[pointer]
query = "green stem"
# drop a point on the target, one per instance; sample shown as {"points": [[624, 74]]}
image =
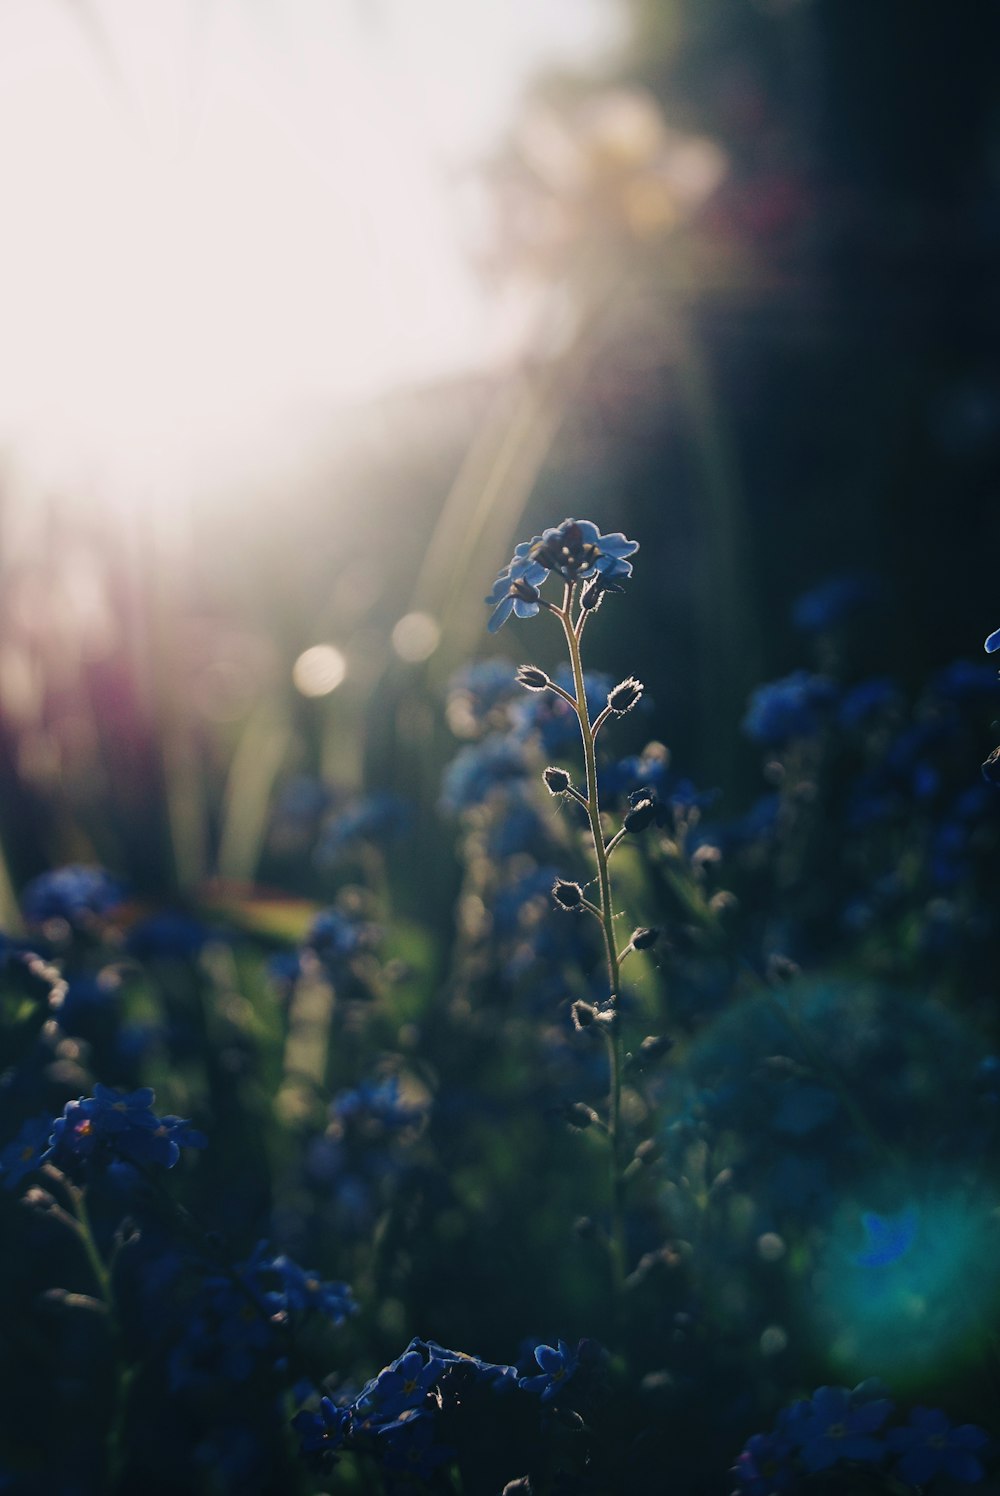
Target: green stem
{"points": [[613, 1034]]}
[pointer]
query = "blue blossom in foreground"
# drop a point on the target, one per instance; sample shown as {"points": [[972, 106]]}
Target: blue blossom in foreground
{"points": [[399, 1387], [764, 1466], [26, 1152], [932, 1445], [575, 550], [488, 1372], [77, 894], [408, 1444], [793, 707], [117, 1124], [834, 1426], [324, 1431], [558, 1363]]}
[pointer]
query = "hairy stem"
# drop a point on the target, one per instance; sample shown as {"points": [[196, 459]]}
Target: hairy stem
{"points": [[613, 1033]]}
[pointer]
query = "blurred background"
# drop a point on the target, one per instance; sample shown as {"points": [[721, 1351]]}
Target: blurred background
{"points": [[309, 313]]}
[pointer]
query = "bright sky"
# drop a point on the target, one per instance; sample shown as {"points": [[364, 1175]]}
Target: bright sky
{"points": [[218, 213]]}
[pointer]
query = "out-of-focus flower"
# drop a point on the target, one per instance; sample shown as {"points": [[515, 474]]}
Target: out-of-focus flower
{"points": [[794, 707], [118, 1124], [932, 1445], [77, 894], [26, 1152], [558, 1363], [827, 605]]}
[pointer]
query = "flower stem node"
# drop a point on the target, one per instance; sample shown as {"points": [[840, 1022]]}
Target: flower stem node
{"points": [[557, 781], [567, 895], [644, 938], [625, 695], [532, 679]]}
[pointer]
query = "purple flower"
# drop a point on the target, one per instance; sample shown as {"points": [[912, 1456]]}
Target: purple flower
{"points": [[932, 1445]]}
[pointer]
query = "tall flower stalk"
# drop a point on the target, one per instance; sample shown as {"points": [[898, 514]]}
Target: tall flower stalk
{"points": [[589, 564]]}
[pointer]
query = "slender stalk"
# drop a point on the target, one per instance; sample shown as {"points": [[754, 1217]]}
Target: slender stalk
{"points": [[613, 1033]]}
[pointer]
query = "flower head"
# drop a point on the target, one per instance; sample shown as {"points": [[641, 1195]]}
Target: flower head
{"points": [[575, 550], [558, 1363]]}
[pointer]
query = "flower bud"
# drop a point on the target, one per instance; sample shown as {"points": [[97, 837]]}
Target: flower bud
{"points": [[567, 895], [524, 591], [644, 938], [532, 679], [625, 695], [557, 781], [642, 813]]}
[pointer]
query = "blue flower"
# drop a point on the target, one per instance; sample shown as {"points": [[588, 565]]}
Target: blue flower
{"points": [[26, 1152], [763, 1466], [400, 1387], [375, 1107], [793, 707], [76, 894], [305, 1290], [117, 1124], [865, 700], [575, 550], [558, 1364], [993, 642], [408, 1444], [963, 681], [932, 1445], [832, 1427], [324, 1431], [336, 938], [171, 933], [476, 771], [369, 818], [488, 1372]]}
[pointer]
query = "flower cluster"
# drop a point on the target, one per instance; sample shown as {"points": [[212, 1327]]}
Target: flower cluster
{"points": [[576, 551], [836, 1427]]}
